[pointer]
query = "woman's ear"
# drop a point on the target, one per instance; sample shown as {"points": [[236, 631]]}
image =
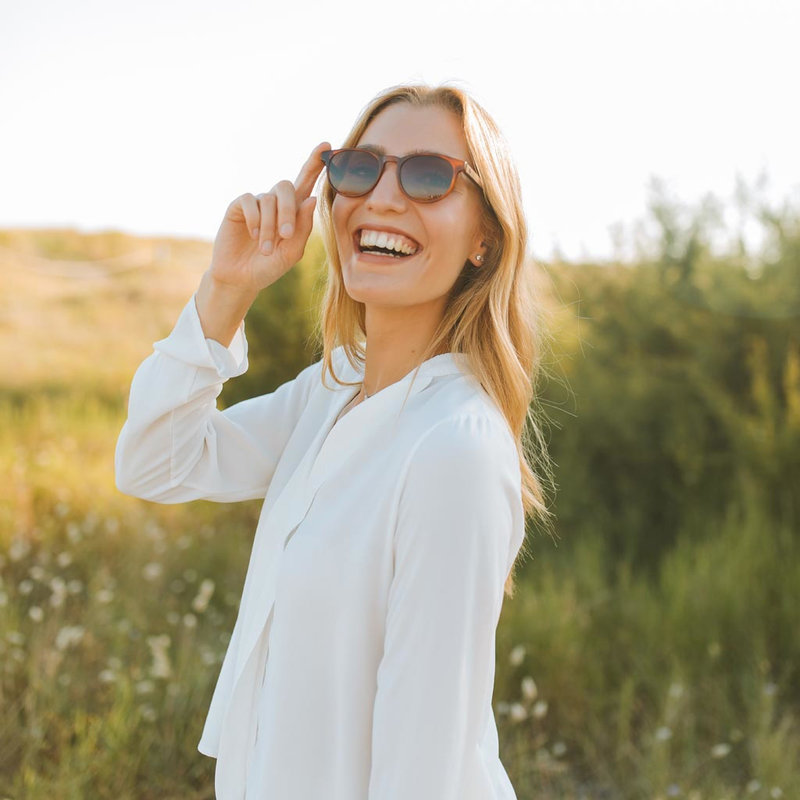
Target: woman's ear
{"points": [[478, 258]]}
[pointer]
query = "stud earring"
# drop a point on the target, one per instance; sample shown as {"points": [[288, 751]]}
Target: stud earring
{"points": [[479, 258]]}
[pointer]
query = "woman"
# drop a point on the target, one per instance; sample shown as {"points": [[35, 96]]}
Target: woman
{"points": [[362, 660]]}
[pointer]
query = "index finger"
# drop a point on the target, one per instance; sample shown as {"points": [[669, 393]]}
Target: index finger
{"points": [[309, 172]]}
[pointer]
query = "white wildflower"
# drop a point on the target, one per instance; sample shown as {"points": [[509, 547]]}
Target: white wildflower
{"points": [[539, 709], [190, 620], [517, 712], [158, 648], [19, 549], [36, 613], [200, 602], [529, 690], [104, 596], [720, 750], [152, 571], [517, 655], [59, 590], [68, 636], [663, 733]]}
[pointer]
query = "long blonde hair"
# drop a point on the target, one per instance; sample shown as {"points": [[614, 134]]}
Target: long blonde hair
{"points": [[492, 313]]}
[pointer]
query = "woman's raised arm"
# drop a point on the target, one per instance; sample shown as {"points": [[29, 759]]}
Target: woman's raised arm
{"points": [[175, 444]]}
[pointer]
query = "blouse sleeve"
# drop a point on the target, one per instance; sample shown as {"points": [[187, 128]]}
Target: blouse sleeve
{"points": [[176, 445], [460, 523]]}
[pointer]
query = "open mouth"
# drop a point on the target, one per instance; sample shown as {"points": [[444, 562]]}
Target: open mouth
{"points": [[384, 245]]}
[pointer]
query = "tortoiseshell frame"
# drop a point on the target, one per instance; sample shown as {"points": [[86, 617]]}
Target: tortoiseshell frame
{"points": [[458, 165]]}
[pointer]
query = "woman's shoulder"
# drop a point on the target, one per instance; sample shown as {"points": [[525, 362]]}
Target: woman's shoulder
{"points": [[463, 418]]}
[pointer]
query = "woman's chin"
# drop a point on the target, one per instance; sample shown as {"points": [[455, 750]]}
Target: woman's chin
{"points": [[369, 286]]}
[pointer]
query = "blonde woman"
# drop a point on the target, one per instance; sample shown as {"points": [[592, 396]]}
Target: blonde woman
{"points": [[393, 470]]}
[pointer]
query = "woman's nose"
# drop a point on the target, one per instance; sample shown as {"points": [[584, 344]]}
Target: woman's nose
{"points": [[387, 192]]}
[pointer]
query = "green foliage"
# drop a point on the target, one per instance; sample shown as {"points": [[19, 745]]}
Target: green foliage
{"points": [[679, 410], [684, 679], [652, 654]]}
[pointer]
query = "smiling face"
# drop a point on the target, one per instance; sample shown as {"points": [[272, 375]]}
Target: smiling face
{"points": [[445, 233]]}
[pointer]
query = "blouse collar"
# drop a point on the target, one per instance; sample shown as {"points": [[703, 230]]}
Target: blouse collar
{"points": [[442, 364]]}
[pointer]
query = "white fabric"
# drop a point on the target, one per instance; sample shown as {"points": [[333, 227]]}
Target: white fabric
{"points": [[361, 665]]}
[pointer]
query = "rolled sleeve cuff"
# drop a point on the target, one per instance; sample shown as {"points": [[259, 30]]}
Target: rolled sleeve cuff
{"points": [[187, 343], [230, 361]]}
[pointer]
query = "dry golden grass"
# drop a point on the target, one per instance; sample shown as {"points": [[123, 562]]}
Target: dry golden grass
{"points": [[66, 319]]}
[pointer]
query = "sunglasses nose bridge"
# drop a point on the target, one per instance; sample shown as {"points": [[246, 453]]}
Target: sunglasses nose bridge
{"points": [[382, 171]]}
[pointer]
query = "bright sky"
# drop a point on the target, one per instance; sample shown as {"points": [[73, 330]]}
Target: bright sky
{"points": [[151, 116]]}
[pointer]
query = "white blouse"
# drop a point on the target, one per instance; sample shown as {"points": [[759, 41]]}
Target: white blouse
{"points": [[361, 665]]}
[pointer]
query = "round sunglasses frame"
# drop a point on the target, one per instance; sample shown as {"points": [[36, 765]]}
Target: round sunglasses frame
{"points": [[458, 165]]}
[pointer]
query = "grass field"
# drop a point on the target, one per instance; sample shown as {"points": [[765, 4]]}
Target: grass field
{"points": [[115, 613]]}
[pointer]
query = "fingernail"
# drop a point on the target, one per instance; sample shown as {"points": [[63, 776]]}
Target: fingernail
{"points": [[286, 229], [266, 247]]}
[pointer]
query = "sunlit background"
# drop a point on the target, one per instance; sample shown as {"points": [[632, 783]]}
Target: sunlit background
{"points": [[651, 649], [150, 117]]}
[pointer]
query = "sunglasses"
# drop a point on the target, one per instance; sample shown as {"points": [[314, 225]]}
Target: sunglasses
{"points": [[424, 177]]}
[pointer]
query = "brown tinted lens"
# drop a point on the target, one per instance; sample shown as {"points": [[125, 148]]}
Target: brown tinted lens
{"points": [[353, 172], [426, 177]]}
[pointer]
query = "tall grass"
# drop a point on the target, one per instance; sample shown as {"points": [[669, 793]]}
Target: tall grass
{"points": [[115, 613], [682, 684]]}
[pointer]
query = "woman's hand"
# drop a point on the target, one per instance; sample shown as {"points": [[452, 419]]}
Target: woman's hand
{"points": [[254, 247]]}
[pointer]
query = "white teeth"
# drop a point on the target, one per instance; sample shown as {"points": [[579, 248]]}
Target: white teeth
{"points": [[391, 241]]}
